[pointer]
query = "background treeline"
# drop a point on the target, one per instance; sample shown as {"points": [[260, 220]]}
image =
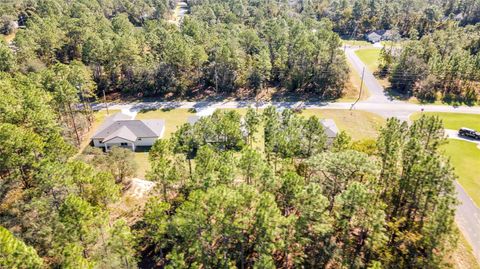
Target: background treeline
{"points": [[356, 17], [442, 65], [220, 46], [302, 201]]}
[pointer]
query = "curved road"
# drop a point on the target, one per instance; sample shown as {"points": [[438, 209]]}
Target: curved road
{"points": [[467, 215], [377, 93]]}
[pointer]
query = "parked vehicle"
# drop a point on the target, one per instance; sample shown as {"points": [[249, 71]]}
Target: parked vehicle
{"points": [[466, 132]]}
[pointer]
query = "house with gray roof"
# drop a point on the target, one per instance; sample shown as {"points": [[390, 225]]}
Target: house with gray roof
{"points": [[373, 37], [123, 131], [382, 35], [330, 128]]}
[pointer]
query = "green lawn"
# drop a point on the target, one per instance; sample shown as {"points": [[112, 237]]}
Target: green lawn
{"points": [[352, 88], [143, 165], [370, 57], [462, 256], [465, 158], [454, 120], [173, 118], [358, 124], [352, 42]]}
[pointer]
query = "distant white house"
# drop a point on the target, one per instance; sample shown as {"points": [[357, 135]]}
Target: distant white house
{"points": [[373, 37], [123, 131], [382, 35]]}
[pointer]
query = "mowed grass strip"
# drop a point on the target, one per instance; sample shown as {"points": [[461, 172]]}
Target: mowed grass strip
{"points": [[370, 57], [352, 87], [174, 118], [143, 164], [462, 256], [465, 158], [454, 121], [352, 42], [358, 124]]}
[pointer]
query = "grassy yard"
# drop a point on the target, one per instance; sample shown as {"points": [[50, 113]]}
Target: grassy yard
{"points": [[462, 257], [370, 57], [143, 165], [465, 157], [358, 124], [352, 88], [454, 120], [173, 118], [351, 42]]}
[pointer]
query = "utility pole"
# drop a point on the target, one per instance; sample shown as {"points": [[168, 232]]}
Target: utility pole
{"points": [[361, 89], [105, 101]]}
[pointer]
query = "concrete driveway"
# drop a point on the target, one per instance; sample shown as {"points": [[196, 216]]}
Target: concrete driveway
{"points": [[453, 134]]}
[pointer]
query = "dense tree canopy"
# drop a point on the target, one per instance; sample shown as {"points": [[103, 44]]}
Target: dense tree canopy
{"points": [[264, 190], [56, 207], [445, 63], [131, 48], [335, 207]]}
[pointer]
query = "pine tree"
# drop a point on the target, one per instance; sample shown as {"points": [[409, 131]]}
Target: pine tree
{"points": [[16, 254]]}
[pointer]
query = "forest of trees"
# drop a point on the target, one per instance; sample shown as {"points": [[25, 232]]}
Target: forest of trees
{"points": [[268, 191], [222, 46], [442, 65], [356, 17], [132, 51]]}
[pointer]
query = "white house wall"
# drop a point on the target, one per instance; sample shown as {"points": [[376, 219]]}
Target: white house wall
{"points": [[118, 140], [98, 143], [146, 141], [143, 142]]}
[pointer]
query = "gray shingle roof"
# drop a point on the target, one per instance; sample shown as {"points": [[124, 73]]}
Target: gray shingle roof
{"points": [[111, 119], [374, 37], [121, 125], [150, 128], [331, 129], [122, 132], [193, 119]]}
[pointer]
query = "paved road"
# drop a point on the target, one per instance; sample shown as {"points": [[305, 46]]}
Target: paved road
{"points": [[392, 109], [468, 219], [377, 93], [468, 214]]}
